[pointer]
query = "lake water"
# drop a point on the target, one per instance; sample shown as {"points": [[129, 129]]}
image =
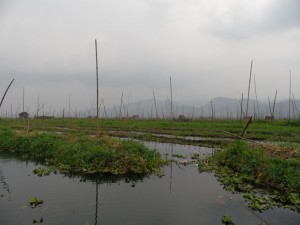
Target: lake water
{"points": [[182, 196]]}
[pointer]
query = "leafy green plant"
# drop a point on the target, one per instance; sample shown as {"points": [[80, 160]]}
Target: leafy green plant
{"points": [[34, 202], [227, 220], [43, 171]]}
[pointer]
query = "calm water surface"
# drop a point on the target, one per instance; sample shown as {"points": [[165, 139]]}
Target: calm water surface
{"points": [[182, 196]]}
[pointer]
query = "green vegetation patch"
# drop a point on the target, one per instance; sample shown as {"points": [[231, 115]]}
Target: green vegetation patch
{"points": [[34, 202], [268, 176], [227, 220], [73, 153]]}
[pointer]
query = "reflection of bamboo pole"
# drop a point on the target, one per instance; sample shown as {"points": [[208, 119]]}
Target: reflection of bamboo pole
{"points": [[6, 92], [97, 203], [171, 169]]}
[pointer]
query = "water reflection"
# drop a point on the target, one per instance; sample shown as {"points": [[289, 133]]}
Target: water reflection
{"points": [[171, 168], [182, 196], [97, 204], [4, 184]]}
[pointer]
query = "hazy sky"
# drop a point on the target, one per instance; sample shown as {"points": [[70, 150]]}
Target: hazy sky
{"points": [[205, 45]]}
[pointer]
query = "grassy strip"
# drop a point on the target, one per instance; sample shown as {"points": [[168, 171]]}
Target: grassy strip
{"points": [[266, 177], [286, 131], [82, 154]]}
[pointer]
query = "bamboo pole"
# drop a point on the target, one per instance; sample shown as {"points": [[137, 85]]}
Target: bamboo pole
{"points": [[270, 106], [249, 89], [242, 101], [244, 131], [97, 92], [290, 91], [128, 103], [274, 105], [212, 115], [172, 115], [155, 105], [23, 99], [296, 106], [256, 97], [6, 92], [120, 115]]}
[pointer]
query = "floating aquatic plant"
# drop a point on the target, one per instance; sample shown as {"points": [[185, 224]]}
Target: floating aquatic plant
{"points": [[34, 202], [227, 220]]}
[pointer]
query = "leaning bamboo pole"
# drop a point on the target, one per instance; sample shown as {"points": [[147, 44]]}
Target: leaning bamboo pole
{"points": [[6, 92]]}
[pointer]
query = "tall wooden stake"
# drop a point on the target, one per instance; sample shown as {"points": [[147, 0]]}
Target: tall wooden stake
{"points": [[290, 95], [97, 83], [212, 115], [274, 105], [249, 89], [172, 116], [23, 100], [156, 113], [242, 101], [256, 98]]}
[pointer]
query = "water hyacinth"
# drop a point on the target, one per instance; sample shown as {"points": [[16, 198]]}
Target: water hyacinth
{"points": [[82, 154]]}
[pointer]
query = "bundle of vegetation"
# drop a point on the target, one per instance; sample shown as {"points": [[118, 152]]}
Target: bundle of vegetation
{"points": [[73, 153], [268, 175]]}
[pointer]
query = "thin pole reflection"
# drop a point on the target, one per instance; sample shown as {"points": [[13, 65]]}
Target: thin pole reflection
{"points": [[97, 203]]}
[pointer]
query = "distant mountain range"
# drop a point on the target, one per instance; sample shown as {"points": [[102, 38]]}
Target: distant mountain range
{"points": [[221, 107]]}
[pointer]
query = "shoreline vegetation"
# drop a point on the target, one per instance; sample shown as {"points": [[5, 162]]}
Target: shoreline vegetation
{"points": [[264, 165], [266, 175]]}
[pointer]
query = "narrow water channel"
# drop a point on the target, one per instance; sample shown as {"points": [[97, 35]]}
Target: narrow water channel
{"points": [[182, 196]]}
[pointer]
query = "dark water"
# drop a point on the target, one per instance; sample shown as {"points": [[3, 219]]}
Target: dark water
{"points": [[182, 196]]}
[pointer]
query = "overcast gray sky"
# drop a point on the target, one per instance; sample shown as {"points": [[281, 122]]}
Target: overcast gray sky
{"points": [[205, 45]]}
